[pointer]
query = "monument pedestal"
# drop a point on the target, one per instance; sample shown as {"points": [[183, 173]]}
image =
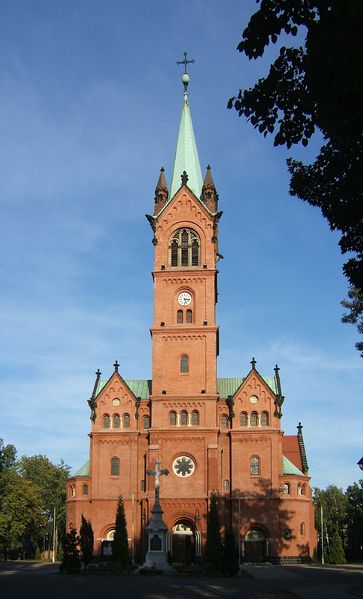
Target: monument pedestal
{"points": [[156, 536]]}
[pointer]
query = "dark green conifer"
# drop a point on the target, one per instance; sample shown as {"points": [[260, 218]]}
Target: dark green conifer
{"points": [[230, 554], [71, 563], [213, 547], [120, 546], [336, 553], [86, 540]]}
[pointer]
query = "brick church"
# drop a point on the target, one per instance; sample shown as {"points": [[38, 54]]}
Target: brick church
{"points": [[213, 434]]}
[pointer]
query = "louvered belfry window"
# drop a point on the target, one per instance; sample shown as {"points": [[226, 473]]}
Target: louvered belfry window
{"points": [[185, 248]]}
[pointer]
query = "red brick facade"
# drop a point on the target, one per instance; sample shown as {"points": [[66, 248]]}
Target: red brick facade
{"points": [[221, 435]]}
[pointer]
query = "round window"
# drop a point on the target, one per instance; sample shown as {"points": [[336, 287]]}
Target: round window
{"points": [[183, 466]]}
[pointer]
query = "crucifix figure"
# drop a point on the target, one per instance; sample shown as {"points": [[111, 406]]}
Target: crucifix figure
{"points": [[157, 473]]}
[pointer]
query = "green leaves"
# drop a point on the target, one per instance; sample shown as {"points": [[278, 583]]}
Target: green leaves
{"points": [[315, 86]]}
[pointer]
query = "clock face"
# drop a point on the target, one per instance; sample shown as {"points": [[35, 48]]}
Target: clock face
{"points": [[184, 298]]}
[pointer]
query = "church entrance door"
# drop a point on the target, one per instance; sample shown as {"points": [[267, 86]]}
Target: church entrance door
{"points": [[183, 543], [255, 546]]}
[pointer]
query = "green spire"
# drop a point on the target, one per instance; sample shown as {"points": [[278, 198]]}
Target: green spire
{"points": [[186, 154]]}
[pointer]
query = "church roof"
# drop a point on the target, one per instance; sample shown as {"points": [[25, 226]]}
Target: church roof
{"points": [[229, 386], [83, 471], [289, 468], [186, 155], [225, 386]]}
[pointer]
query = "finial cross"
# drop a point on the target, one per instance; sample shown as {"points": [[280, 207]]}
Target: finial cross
{"points": [[157, 472], [185, 62], [116, 365], [253, 363]]}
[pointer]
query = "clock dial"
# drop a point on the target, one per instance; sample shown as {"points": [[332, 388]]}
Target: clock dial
{"points": [[184, 298]]}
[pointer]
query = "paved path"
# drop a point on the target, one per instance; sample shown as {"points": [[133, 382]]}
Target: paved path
{"points": [[25, 580]]}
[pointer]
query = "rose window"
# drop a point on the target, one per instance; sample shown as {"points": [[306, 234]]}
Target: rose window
{"points": [[183, 466]]}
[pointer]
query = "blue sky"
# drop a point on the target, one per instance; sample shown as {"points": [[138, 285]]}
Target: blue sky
{"points": [[90, 102]]}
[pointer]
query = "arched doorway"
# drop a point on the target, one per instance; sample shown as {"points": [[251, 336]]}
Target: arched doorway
{"points": [[106, 550], [255, 545], [183, 542]]}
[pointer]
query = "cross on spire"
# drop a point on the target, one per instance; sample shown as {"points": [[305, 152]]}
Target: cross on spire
{"points": [[116, 365], [253, 363], [185, 62]]}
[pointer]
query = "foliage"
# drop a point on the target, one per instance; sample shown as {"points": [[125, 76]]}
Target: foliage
{"points": [[336, 552], [51, 482], [354, 495], [22, 520], [71, 563], [7, 456], [86, 539], [355, 314], [213, 547], [120, 547], [335, 506], [315, 86], [230, 564]]}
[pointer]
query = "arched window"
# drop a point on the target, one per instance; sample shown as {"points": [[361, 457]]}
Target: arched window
{"points": [[183, 418], [302, 529], [243, 419], [224, 421], [195, 418], [116, 422], [85, 490], [184, 364], [172, 418], [115, 467], [286, 488], [301, 489], [126, 420], [254, 419], [189, 316], [264, 419], [73, 491], [226, 485], [185, 248], [146, 421], [106, 421], [255, 466], [179, 316]]}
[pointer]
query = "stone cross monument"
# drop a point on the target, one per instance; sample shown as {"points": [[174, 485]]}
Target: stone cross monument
{"points": [[156, 529]]}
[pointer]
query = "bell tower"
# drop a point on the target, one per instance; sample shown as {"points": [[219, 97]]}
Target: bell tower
{"points": [[184, 332]]}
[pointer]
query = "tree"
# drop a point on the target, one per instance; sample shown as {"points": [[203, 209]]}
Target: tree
{"points": [[71, 563], [7, 456], [22, 521], [336, 553], [213, 547], [335, 509], [230, 554], [86, 539], [120, 546], [51, 482], [354, 495], [315, 86]]}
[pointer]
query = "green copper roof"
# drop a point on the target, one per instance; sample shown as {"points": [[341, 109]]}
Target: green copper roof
{"points": [[289, 468], [229, 386], [140, 388], [186, 155], [84, 471], [225, 387]]}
